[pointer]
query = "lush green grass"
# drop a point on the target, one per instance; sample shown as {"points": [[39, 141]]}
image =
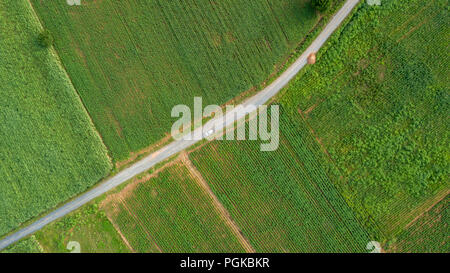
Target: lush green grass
{"points": [[170, 212], [49, 150], [89, 226], [378, 100], [283, 201], [428, 234], [133, 60], [28, 245]]}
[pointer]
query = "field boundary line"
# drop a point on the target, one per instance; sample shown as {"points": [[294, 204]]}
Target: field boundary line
{"points": [[405, 24], [170, 150], [223, 212], [341, 177], [123, 202], [319, 190], [235, 100], [63, 68], [435, 202], [414, 28], [122, 236]]}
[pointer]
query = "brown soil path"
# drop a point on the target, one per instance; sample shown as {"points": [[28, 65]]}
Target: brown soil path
{"points": [[217, 204]]}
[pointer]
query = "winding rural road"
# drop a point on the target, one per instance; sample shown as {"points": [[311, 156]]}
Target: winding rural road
{"points": [[177, 146]]}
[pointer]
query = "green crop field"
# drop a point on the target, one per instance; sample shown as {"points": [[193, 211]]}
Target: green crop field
{"points": [[169, 212], [28, 245], [378, 101], [364, 132], [49, 150], [283, 201], [88, 226], [427, 234], [132, 61]]}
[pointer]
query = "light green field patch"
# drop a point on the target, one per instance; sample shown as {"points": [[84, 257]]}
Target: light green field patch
{"points": [[170, 212], [49, 150], [89, 227], [28, 245]]}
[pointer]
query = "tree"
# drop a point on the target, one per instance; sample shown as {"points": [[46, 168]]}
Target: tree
{"points": [[45, 38], [321, 5]]}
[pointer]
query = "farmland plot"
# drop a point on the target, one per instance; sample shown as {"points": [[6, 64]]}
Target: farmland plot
{"points": [[89, 227], [169, 212], [283, 201], [133, 60], [378, 101], [427, 234], [49, 150], [28, 245]]}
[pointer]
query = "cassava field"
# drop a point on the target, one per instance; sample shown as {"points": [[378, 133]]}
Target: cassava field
{"points": [[283, 201], [364, 133], [49, 150], [169, 211], [377, 101], [132, 61], [428, 233]]}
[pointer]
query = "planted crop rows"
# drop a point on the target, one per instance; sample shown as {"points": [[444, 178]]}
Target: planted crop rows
{"points": [[378, 100], [49, 150], [283, 201], [133, 61], [170, 212]]}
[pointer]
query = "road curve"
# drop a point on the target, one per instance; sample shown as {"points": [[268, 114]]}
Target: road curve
{"points": [[177, 146]]}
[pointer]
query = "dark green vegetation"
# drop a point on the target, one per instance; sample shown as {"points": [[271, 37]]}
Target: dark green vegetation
{"points": [[49, 150], [28, 245], [321, 5], [170, 212], [363, 151], [378, 102], [376, 107], [89, 227], [283, 201], [45, 38], [132, 61], [429, 233]]}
